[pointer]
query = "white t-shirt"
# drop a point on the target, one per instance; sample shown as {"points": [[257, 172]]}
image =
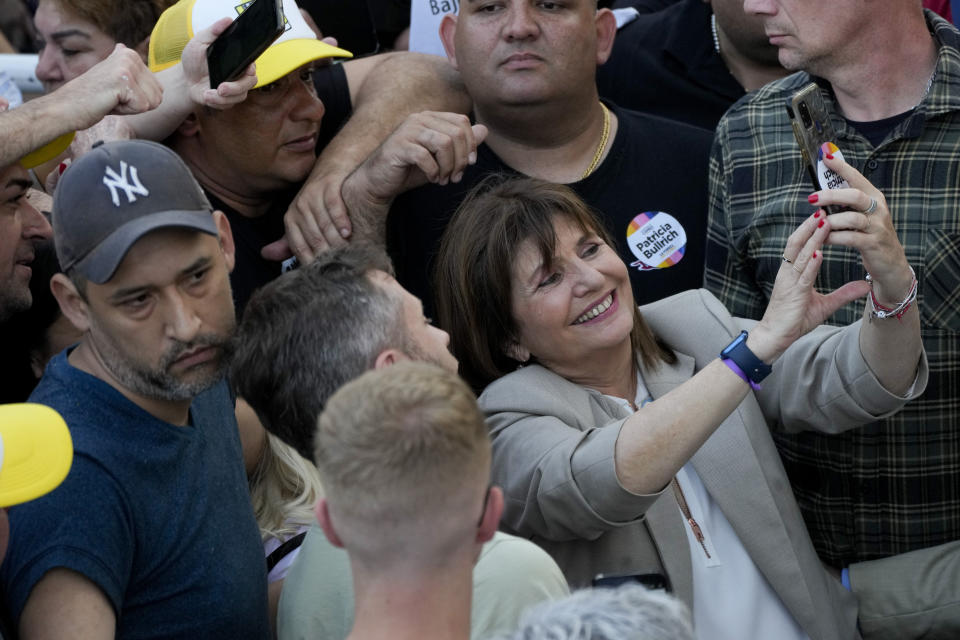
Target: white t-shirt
{"points": [[731, 598]]}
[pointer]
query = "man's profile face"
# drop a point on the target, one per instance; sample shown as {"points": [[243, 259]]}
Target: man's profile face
{"points": [[267, 142], [20, 226], [745, 31], [162, 324], [522, 52], [809, 34], [423, 341]]}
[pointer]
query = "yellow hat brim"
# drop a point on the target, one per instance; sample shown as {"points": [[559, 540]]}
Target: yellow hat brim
{"points": [[289, 55], [37, 452], [47, 152]]}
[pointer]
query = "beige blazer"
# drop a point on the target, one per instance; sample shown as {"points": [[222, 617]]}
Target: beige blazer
{"points": [[553, 454]]}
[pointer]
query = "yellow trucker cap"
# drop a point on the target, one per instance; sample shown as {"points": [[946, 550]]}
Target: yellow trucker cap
{"points": [[297, 46], [36, 452]]}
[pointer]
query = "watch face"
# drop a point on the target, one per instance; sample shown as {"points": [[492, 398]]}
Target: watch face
{"points": [[736, 343]]}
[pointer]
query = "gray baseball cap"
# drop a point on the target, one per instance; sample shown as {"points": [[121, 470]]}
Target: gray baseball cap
{"points": [[114, 195]]}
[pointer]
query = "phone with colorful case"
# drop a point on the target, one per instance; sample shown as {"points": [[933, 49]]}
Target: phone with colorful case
{"points": [[815, 135]]}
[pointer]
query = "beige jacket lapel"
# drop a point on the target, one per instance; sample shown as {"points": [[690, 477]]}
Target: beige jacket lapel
{"points": [[731, 464], [663, 518]]}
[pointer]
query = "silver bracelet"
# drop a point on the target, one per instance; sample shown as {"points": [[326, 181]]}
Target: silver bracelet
{"points": [[877, 310]]}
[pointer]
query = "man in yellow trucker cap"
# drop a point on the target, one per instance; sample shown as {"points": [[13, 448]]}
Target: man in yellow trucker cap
{"points": [[251, 159]]}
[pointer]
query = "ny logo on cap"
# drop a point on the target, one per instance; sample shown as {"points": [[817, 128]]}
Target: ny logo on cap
{"points": [[115, 181]]}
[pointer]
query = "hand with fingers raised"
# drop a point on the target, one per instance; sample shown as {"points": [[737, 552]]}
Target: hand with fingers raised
{"points": [[892, 349], [867, 226], [795, 307]]}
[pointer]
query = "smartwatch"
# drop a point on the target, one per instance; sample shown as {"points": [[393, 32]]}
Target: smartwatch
{"points": [[739, 354]]}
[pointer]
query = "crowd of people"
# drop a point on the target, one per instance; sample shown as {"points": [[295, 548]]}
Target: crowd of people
{"points": [[672, 389]]}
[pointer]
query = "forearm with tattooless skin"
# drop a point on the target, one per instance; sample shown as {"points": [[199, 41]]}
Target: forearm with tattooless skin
{"points": [[663, 435], [384, 93], [890, 346], [33, 125]]}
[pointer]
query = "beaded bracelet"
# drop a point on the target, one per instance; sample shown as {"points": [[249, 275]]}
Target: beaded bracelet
{"points": [[877, 310]]}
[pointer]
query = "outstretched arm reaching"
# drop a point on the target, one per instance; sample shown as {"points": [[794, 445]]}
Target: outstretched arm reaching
{"points": [[384, 91]]}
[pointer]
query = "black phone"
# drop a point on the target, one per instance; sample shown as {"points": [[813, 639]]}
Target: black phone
{"points": [[815, 135], [649, 580], [249, 35]]}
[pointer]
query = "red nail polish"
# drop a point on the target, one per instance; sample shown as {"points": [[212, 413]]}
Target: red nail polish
{"points": [[820, 224], [829, 156], [812, 198], [815, 253], [817, 214]]}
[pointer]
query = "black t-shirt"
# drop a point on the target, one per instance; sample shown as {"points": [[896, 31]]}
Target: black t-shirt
{"points": [[664, 63], [876, 131], [654, 165], [332, 88], [251, 270], [250, 235]]}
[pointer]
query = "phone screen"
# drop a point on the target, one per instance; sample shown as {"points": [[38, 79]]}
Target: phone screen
{"points": [[244, 40]]}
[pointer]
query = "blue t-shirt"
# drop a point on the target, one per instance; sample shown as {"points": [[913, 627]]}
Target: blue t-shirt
{"points": [[157, 515]]}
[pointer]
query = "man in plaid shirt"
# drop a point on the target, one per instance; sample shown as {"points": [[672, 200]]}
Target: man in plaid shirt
{"points": [[890, 76]]}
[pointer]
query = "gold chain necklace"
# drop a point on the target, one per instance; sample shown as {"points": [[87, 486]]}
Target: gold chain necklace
{"points": [[603, 142]]}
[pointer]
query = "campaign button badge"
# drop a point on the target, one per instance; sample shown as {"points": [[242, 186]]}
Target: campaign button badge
{"points": [[829, 179], [657, 240]]}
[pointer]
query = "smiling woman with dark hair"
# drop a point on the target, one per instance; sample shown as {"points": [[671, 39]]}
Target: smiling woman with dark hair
{"points": [[625, 445]]}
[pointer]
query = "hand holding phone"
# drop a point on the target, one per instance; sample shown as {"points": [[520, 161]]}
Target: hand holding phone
{"points": [[260, 24]]}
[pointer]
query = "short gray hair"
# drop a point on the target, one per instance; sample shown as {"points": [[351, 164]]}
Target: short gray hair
{"points": [[310, 331], [629, 612]]}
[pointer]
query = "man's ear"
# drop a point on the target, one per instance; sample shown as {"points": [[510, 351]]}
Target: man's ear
{"points": [[190, 126], [448, 30], [322, 510], [225, 236], [71, 302], [606, 32], [388, 357], [517, 351], [491, 515]]}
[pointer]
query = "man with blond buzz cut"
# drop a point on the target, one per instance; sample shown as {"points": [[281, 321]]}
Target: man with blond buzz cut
{"points": [[404, 456], [304, 336]]}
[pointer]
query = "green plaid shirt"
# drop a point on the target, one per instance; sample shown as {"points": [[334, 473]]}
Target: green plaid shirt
{"points": [[894, 485]]}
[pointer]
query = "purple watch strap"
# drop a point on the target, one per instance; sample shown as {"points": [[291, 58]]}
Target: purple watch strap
{"points": [[737, 370]]}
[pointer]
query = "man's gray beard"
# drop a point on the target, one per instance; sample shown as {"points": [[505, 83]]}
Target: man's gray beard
{"points": [[414, 352], [158, 383]]}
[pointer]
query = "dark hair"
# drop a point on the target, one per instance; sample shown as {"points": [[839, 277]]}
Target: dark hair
{"points": [[25, 333], [474, 267], [307, 333]]}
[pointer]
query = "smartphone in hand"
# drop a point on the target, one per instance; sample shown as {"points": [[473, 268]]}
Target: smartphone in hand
{"points": [[815, 135], [249, 35]]}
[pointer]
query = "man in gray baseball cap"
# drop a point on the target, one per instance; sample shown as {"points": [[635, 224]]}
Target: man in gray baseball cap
{"points": [[120, 209], [152, 533]]}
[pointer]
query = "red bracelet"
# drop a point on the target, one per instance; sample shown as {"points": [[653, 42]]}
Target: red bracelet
{"points": [[881, 312]]}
